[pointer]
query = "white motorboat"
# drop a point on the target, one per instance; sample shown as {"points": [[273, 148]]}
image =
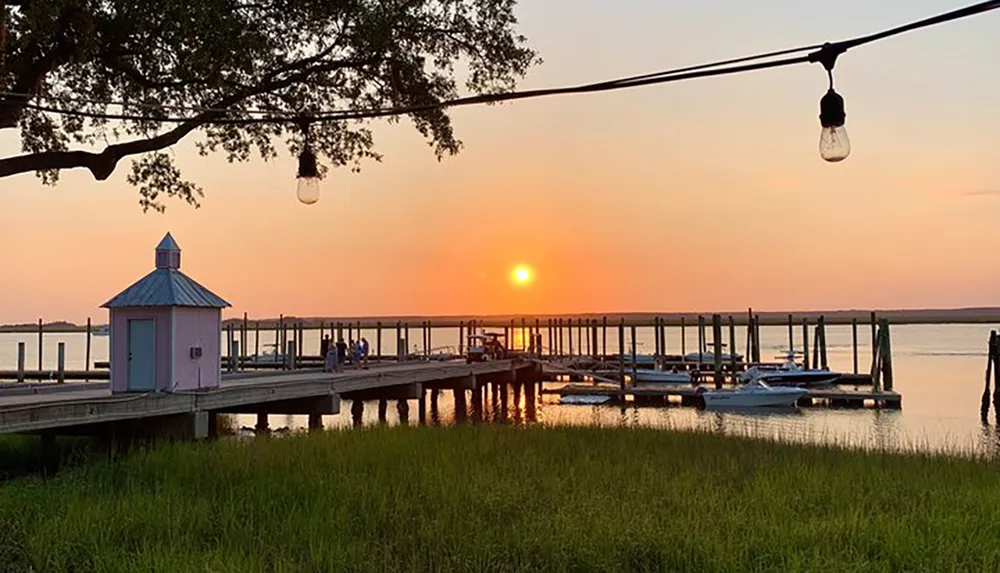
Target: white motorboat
{"points": [[585, 400], [790, 374], [709, 357], [270, 355], [754, 394], [661, 377]]}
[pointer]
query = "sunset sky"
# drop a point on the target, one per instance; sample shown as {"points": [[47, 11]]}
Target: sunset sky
{"points": [[704, 195]]}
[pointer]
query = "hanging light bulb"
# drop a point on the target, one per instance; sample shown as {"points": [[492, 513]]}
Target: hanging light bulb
{"points": [[834, 144], [308, 185]]}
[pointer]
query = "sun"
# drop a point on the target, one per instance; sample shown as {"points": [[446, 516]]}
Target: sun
{"points": [[522, 275]]}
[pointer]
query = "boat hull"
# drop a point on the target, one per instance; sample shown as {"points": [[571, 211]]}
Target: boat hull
{"points": [[800, 378], [737, 399], [658, 377]]}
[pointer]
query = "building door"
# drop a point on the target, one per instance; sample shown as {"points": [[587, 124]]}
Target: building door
{"points": [[141, 355]]}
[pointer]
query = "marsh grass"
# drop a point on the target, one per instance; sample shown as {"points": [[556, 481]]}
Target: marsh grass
{"points": [[506, 499]]}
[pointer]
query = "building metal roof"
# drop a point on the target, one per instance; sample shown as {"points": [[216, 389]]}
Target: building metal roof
{"points": [[168, 244], [166, 287]]}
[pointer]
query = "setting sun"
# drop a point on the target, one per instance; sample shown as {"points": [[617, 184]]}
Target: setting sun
{"points": [[522, 275]]}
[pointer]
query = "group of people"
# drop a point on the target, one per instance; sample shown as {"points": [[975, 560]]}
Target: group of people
{"points": [[336, 355]]}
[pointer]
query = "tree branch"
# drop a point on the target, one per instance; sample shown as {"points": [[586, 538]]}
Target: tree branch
{"points": [[103, 164]]}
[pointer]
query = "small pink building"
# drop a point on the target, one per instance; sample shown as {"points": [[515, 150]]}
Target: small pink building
{"points": [[166, 330]]}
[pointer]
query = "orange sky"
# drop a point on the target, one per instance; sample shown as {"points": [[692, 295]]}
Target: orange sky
{"points": [[694, 196]]}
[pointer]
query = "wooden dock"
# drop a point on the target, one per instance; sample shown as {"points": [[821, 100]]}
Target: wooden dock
{"points": [[686, 395], [74, 408]]}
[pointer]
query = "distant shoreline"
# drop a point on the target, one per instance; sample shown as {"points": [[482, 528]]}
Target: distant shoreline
{"points": [[771, 318]]}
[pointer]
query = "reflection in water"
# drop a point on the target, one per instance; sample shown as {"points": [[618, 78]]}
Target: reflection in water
{"points": [[939, 371]]}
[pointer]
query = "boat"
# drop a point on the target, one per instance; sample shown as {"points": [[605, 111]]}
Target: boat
{"points": [[790, 374], [271, 356], [584, 400], [104, 330], [709, 357], [754, 394], [661, 377]]}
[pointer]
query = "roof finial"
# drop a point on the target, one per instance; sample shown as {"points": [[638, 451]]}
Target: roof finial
{"points": [[168, 254]]}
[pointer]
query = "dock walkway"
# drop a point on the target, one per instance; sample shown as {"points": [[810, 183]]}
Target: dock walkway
{"points": [[62, 407]]}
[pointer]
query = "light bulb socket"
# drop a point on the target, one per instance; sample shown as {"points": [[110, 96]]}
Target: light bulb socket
{"points": [[831, 110], [307, 163]]}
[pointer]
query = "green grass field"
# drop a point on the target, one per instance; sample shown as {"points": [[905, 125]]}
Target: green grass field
{"points": [[505, 499]]}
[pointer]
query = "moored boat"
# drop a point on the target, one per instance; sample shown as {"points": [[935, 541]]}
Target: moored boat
{"points": [[755, 394], [790, 374], [661, 377]]}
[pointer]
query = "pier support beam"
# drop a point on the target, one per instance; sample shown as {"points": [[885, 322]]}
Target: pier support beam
{"points": [[315, 422], [262, 425], [357, 413], [383, 407], [403, 410]]}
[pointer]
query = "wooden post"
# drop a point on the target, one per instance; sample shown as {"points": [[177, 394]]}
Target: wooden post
{"points": [[683, 339], [701, 340], [991, 357], [749, 354], [406, 339], [805, 343], [461, 337], [854, 342], [597, 349], [61, 362], [256, 339], [229, 347], [815, 358], [823, 362], [39, 345], [717, 349], [86, 366], [570, 330], [886, 354], [876, 370], [621, 353], [732, 349], [663, 337], [378, 341], [234, 356], [292, 356], [874, 334], [635, 361], [791, 339], [244, 346], [279, 336], [604, 337], [20, 362], [756, 339]]}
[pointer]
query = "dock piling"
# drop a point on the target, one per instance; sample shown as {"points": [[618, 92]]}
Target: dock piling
{"points": [[86, 366], [854, 342], [791, 338], [991, 356], [732, 350], [20, 362], [621, 353], [61, 362], [40, 328], [805, 343], [717, 350]]}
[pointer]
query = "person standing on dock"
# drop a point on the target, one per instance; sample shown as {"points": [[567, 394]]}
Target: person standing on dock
{"points": [[329, 356], [364, 352], [341, 354], [324, 346], [354, 352]]}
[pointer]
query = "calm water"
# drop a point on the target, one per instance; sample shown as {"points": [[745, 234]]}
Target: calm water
{"points": [[939, 370]]}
